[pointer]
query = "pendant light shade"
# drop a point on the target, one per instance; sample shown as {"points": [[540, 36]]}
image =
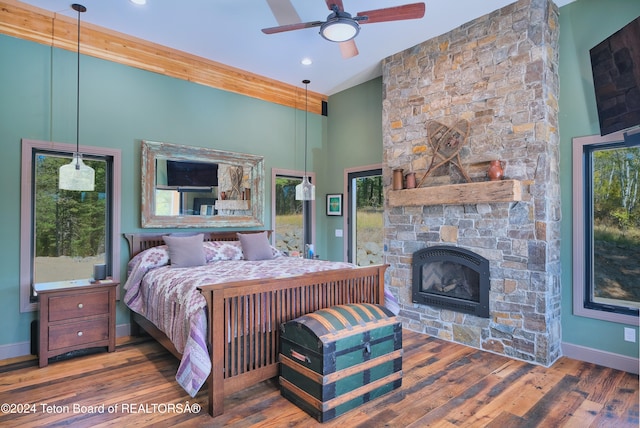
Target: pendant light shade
{"points": [[305, 191], [76, 175]]}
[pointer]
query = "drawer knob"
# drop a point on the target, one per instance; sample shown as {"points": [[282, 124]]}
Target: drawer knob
{"points": [[79, 333], [80, 305]]}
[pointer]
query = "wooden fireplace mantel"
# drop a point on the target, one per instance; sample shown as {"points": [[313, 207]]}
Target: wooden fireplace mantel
{"points": [[458, 194]]}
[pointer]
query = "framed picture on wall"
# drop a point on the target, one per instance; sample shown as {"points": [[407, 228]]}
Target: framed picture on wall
{"points": [[334, 204]]}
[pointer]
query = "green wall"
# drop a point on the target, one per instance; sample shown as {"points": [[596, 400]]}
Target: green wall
{"points": [[120, 106], [584, 24], [354, 139]]}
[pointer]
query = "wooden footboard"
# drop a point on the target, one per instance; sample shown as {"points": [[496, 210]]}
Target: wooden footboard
{"points": [[245, 316]]}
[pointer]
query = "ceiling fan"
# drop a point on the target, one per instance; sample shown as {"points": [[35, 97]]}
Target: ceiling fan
{"points": [[341, 27]]}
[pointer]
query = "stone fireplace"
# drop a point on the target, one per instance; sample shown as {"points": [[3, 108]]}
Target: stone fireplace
{"points": [[497, 73]]}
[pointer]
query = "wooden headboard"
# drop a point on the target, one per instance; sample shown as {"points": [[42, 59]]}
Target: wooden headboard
{"points": [[139, 242]]}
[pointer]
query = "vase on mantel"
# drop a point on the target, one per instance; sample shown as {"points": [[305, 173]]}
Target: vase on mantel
{"points": [[495, 171], [397, 179], [410, 180]]}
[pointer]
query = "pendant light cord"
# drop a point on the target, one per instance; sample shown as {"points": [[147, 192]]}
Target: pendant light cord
{"points": [[306, 116], [79, 8], [78, 100]]}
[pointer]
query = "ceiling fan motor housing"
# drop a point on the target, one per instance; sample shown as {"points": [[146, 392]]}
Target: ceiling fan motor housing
{"points": [[339, 27]]}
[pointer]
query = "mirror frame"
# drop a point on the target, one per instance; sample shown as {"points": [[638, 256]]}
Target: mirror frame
{"points": [[152, 150]]}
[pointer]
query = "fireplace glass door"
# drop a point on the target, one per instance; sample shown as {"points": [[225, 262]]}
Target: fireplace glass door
{"points": [[451, 278]]}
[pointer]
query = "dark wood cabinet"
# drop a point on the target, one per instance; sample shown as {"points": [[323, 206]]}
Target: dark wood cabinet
{"points": [[76, 315]]}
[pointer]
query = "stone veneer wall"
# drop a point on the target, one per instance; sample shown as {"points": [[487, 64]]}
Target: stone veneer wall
{"points": [[499, 72]]}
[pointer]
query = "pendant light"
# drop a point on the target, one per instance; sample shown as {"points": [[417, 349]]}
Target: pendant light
{"points": [[305, 191], [76, 175]]}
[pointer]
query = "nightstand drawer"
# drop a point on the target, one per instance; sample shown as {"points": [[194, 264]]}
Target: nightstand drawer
{"points": [[78, 305], [78, 333]]}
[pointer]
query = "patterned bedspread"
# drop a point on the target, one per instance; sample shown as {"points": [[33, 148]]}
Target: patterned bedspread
{"points": [[169, 298]]}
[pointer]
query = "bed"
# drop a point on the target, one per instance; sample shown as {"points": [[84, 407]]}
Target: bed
{"points": [[241, 317]]}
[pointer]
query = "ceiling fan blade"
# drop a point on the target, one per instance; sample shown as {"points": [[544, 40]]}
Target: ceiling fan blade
{"points": [[397, 13], [284, 12], [348, 49], [291, 27], [338, 3]]}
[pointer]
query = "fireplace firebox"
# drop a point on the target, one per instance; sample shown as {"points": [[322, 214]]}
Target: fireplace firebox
{"points": [[451, 278]]}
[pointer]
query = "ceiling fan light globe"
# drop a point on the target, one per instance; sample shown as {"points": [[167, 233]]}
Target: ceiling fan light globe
{"points": [[339, 29]]}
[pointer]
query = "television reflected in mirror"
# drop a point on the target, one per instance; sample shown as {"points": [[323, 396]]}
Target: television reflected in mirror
{"points": [[191, 174]]}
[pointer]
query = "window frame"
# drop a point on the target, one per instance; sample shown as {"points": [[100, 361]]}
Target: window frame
{"points": [[349, 255], [26, 210], [580, 236], [309, 222]]}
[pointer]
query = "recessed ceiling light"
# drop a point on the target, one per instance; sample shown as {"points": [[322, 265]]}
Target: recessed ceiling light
{"points": [[138, 1], [306, 61]]}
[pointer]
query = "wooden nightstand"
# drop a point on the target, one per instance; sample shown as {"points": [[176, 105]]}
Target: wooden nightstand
{"points": [[76, 315]]}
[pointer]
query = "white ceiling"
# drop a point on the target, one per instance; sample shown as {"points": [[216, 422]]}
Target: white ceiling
{"points": [[228, 32]]}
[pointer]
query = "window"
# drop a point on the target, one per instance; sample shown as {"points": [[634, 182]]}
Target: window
{"points": [[65, 233], [292, 220], [365, 216], [606, 227]]}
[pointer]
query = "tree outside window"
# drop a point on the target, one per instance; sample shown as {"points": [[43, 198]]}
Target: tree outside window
{"points": [[70, 227]]}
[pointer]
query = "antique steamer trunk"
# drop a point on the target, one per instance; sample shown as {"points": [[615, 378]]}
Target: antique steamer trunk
{"points": [[335, 359]]}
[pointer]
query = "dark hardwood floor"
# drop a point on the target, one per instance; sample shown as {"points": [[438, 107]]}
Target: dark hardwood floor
{"points": [[444, 385]]}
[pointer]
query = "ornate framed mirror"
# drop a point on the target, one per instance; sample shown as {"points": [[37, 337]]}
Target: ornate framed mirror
{"points": [[185, 186]]}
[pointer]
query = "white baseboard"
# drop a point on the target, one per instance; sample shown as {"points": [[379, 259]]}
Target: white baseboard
{"points": [[22, 349], [14, 350], [123, 330], [603, 358]]}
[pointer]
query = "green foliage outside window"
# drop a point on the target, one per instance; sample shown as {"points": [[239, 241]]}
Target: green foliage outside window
{"points": [[616, 225], [369, 193], [286, 202], [68, 223]]}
